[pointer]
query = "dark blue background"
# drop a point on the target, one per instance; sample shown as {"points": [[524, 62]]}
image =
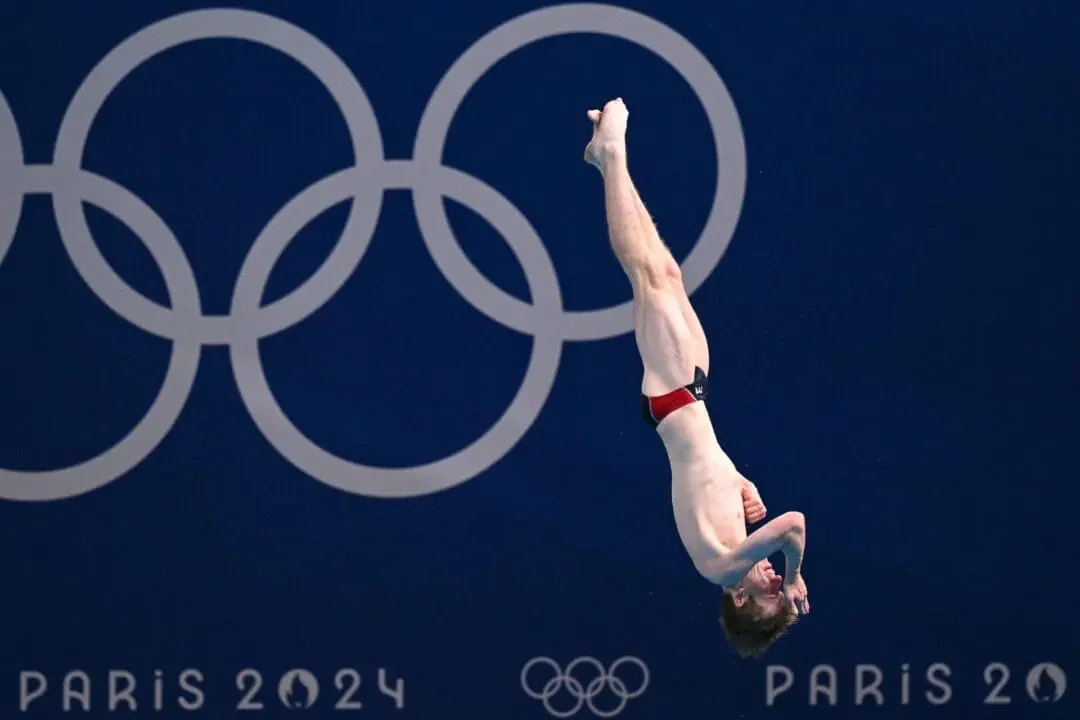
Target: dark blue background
{"points": [[893, 329]]}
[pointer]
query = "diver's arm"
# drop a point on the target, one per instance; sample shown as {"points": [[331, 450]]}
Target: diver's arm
{"points": [[786, 534]]}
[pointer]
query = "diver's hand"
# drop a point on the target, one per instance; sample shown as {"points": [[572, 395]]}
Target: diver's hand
{"points": [[796, 596], [753, 508]]}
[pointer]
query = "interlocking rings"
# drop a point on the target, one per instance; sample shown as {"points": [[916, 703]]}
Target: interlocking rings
{"points": [[183, 321], [584, 695]]}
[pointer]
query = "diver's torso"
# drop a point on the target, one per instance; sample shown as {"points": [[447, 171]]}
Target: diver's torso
{"points": [[706, 489]]}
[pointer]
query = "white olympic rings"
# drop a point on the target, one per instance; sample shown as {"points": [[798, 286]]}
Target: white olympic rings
{"points": [[584, 694], [364, 183]]}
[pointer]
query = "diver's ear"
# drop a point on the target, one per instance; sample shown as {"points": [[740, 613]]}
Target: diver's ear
{"points": [[739, 596]]}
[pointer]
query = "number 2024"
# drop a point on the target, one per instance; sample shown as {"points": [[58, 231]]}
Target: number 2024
{"points": [[347, 681]]}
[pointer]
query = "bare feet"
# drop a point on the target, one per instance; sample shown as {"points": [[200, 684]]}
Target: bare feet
{"points": [[609, 134]]}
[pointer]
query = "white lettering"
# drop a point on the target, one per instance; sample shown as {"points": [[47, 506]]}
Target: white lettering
{"points": [[935, 675], [27, 694], [994, 697], [348, 681], [771, 690], [118, 694], [829, 688], [397, 692], [82, 695], [905, 684], [861, 690], [249, 682], [190, 681]]}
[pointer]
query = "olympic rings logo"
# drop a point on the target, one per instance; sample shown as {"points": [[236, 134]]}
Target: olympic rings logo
{"points": [[584, 694], [183, 322]]}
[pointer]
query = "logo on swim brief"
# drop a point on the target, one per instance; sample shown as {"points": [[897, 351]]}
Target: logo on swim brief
{"points": [[182, 320], [585, 684]]}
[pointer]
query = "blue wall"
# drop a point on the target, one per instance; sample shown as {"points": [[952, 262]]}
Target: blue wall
{"points": [[893, 330]]}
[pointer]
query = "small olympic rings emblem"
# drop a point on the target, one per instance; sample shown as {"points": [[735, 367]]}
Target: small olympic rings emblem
{"points": [[584, 692]]}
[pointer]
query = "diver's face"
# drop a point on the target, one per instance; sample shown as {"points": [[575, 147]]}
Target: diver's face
{"points": [[762, 583]]}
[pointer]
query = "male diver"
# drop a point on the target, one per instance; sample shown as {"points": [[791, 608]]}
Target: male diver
{"points": [[712, 501]]}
